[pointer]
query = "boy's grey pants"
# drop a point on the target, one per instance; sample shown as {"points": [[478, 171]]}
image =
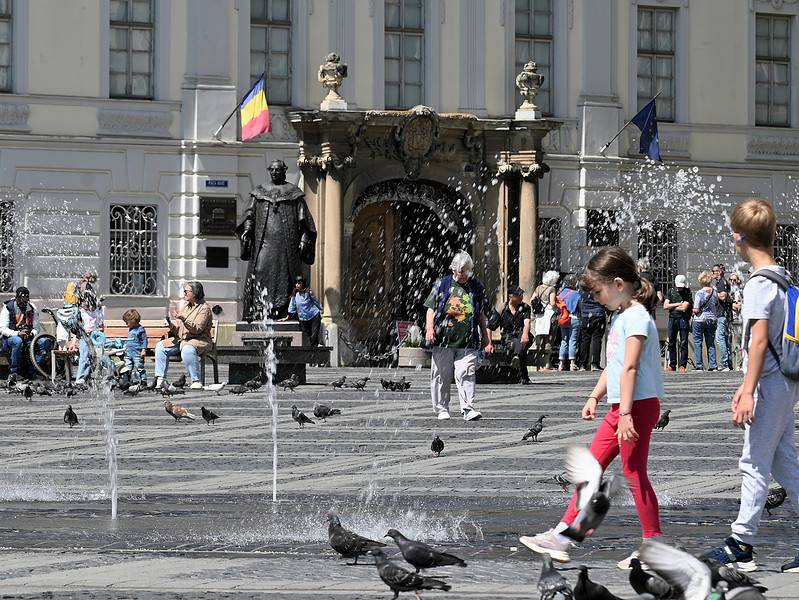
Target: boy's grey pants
{"points": [[769, 448], [446, 362]]}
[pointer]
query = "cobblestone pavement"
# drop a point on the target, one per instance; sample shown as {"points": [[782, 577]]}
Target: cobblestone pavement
{"points": [[196, 517]]}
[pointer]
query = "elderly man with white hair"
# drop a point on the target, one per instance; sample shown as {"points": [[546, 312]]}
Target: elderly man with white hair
{"points": [[456, 330]]}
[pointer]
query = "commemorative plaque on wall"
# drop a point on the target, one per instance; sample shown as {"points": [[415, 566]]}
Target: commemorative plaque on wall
{"points": [[217, 216]]}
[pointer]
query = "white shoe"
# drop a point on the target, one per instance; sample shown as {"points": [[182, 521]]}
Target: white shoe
{"points": [[548, 543], [196, 385], [123, 370], [471, 415], [443, 415], [624, 563], [80, 381]]}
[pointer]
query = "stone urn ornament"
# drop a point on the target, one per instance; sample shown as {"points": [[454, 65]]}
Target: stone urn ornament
{"points": [[529, 81], [331, 76]]}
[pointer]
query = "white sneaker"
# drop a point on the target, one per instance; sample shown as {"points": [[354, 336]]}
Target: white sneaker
{"points": [[548, 543], [471, 415], [624, 563], [196, 385], [443, 415], [80, 381], [124, 369]]}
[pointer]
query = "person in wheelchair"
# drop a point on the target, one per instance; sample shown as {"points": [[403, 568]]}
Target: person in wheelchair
{"points": [[19, 325]]}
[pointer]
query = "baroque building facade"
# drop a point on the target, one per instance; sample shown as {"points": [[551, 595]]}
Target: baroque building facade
{"points": [[108, 110]]}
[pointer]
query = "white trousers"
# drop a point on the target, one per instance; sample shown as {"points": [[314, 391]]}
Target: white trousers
{"points": [[769, 449], [446, 362]]}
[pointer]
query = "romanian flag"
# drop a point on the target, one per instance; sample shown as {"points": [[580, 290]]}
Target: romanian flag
{"points": [[255, 112]]}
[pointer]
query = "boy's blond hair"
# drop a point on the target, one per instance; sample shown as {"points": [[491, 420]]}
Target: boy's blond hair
{"points": [[755, 219], [705, 277], [131, 316]]}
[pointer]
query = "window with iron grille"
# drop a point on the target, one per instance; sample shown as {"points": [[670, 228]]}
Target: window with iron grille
{"points": [[134, 249], [5, 45], [404, 59], [657, 241], [132, 49], [6, 246], [270, 47], [786, 247], [773, 70], [547, 250], [656, 59], [602, 228], [533, 41]]}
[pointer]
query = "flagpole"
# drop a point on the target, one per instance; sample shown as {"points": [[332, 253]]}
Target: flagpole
{"points": [[605, 147], [225, 122]]}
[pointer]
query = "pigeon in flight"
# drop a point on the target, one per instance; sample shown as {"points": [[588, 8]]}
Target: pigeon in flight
{"points": [[215, 387], [209, 415], [402, 580], [422, 556], [551, 582], [533, 432], [663, 421], [647, 583], [300, 416], [323, 411], [593, 492], [290, 383], [732, 576], [437, 446], [590, 590], [70, 417], [347, 543], [177, 411], [338, 383], [180, 382], [560, 480], [775, 497]]}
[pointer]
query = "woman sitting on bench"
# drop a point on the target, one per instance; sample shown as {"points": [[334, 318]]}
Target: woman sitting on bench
{"points": [[192, 335]]}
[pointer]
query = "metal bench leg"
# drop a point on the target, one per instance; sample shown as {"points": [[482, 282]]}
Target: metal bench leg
{"points": [[216, 370], [52, 365], [202, 369]]}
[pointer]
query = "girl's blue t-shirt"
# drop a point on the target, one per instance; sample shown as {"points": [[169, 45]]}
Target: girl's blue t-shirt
{"points": [[649, 379]]}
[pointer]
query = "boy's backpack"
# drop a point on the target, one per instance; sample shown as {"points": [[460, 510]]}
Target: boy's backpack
{"points": [[565, 316], [788, 359]]}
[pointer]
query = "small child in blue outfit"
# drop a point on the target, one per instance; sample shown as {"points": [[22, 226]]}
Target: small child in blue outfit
{"points": [[308, 309], [136, 346]]}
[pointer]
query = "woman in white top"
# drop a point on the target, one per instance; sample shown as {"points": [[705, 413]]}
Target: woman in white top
{"points": [[91, 315]]}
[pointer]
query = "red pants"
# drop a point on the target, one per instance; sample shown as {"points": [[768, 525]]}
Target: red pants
{"points": [[634, 456]]}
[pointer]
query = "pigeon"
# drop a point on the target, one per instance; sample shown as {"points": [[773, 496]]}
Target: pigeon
{"points": [[338, 383], [402, 385], [151, 386], [254, 383], [177, 411], [42, 391], [358, 384], [209, 415], [70, 417], [180, 382], [437, 446], [238, 389], [731, 576], [422, 556], [560, 480], [387, 384], [27, 391], [663, 421], [290, 383], [300, 416], [169, 389], [593, 492], [775, 497], [215, 387], [133, 389], [589, 590], [533, 432], [402, 580], [323, 411], [347, 543], [551, 582], [70, 391], [124, 385], [647, 583]]}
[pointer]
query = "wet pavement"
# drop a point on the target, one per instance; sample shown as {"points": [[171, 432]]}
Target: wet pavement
{"points": [[196, 517]]}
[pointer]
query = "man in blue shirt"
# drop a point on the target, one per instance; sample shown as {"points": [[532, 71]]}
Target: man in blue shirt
{"points": [[305, 305]]}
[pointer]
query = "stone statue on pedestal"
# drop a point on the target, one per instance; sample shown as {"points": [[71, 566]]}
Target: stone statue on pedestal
{"points": [[277, 236], [331, 76], [529, 81]]}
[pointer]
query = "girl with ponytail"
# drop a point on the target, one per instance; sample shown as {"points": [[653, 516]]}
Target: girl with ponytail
{"points": [[632, 383]]}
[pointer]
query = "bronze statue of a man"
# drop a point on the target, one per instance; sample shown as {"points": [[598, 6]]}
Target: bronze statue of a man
{"points": [[277, 235]]}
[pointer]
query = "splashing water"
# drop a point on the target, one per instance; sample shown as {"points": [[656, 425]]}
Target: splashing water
{"points": [[106, 396], [269, 369]]}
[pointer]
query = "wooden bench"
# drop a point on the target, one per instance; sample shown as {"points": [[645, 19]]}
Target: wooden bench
{"points": [[157, 330]]}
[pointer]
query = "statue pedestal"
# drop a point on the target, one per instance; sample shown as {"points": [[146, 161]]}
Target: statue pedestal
{"points": [[279, 330], [333, 104], [527, 115]]}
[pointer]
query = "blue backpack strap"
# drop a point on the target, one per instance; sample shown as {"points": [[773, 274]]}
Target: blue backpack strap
{"points": [[443, 287], [784, 285], [476, 293]]}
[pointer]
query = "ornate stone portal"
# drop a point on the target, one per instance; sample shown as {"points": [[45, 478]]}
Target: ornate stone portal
{"points": [[380, 183]]}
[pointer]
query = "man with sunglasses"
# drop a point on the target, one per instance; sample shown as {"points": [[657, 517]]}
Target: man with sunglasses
{"points": [[19, 324]]}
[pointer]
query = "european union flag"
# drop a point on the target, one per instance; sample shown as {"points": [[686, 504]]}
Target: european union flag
{"points": [[647, 121]]}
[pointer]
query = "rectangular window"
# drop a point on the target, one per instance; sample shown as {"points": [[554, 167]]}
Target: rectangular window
{"points": [[656, 50], [5, 45], [404, 53], [773, 71], [270, 47], [786, 247], [6, 246], [657, 241], [134, 249], [547, 252], [533, 41], [602, 228], [132, 49]]}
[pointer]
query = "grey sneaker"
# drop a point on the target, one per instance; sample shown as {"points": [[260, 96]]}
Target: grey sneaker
{"points": [[548, 543]]}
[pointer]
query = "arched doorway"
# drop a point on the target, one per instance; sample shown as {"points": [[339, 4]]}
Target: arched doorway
{"points": [[405, 233]]}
